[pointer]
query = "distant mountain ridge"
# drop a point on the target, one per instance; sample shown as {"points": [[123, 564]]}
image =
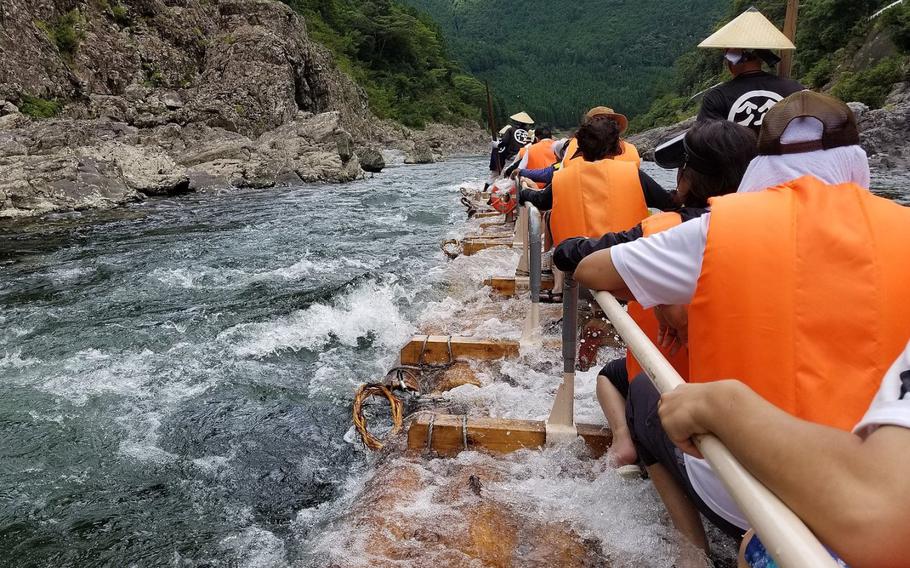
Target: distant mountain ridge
{"points": [[555, 60]]}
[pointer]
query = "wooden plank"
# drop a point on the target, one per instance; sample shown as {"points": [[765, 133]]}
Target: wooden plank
{"points": [[436, 351], [511, 285], [495, 435], [488, 214]]}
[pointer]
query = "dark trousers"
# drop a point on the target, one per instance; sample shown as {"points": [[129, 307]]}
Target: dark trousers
{"points": [[654, 446]]}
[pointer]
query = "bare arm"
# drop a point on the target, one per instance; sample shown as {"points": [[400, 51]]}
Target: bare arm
{"points": [[853, 493], [597, 272]]}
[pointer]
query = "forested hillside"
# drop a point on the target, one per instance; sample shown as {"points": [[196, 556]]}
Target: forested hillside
{"points": [[840, 49], [397, 54], [556, 59]]}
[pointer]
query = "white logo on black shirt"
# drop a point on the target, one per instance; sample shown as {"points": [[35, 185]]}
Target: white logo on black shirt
{"points": [[522, 136], [751, 108]]}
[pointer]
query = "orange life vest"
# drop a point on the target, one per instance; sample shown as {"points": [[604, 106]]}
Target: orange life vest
{"points": [[646, 319], [593, 198], [540, 156], [629, 154], [803, 296]]}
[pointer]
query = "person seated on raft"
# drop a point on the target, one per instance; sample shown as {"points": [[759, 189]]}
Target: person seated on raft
{"points": [[799, 292], [711, 159], [599, 144], [628, 151], [566, 150], [539, 156], [598, 193]]}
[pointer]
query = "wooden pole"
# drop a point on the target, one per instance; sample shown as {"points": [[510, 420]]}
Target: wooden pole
{"points": [[785, 536], [490, 118], [786, 57]]}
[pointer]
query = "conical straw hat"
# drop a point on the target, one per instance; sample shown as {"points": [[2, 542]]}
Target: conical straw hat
{"points": [[522, 117], [751, 30]]}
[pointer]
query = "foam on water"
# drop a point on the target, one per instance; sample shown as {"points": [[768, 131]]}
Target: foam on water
{"points": [[369, 312]]}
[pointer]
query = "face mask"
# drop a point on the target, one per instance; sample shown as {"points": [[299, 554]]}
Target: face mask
{"points": [[733, 58]]}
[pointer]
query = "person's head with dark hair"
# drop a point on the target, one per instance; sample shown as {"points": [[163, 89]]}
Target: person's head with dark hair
{"points": [[543, 133], [714, 158], [598, 138]]}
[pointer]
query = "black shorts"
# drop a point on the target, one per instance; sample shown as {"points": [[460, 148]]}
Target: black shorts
{"points": [[615, 372], [654, 446]]}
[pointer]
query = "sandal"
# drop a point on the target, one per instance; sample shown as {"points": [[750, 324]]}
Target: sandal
{"points": [[550, 297]]}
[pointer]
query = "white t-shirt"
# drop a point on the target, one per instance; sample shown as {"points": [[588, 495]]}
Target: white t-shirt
{"points": [[889, 408], [664, 268]]}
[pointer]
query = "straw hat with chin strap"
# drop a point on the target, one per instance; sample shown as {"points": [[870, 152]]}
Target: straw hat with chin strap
{"points": [[750, 30]]}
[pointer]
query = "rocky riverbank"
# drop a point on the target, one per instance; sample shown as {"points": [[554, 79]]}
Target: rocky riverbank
{"points": [[107, 102], [883, 132]]}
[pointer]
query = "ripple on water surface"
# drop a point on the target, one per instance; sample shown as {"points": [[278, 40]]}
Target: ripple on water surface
{"points": [[175, 377]]}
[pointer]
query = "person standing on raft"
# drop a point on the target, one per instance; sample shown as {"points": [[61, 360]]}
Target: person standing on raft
{"points": [[512, 139], [799, 292], [747, 41], [710, 160]]}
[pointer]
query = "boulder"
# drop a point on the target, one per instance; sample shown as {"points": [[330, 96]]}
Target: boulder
{"points": [[172, 100], [883, 132], [648, 140], [371, 160], [421, 154]]}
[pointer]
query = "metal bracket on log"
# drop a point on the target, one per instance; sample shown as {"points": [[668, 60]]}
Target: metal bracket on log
{"points": [[449, 435]]}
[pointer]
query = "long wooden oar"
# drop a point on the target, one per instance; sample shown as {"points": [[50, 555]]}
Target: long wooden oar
{"points": [[785, 536], [531, 331], [561, 423]]}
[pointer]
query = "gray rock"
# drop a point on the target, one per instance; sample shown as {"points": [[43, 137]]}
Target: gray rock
{"points": [[7, 108], [859, 109], [192, 94], [171, 100], [371, 160], [647, 141], [421, 154]]}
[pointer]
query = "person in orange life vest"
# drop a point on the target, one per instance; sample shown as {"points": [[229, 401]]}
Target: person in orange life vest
{"points": [[813, 264], [567, 151], [710, 159], [598, 194], [628, 151]]}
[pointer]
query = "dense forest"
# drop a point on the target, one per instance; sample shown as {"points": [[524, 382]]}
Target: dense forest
{"points": [[840, 49], [557, 59], [398, 55]]}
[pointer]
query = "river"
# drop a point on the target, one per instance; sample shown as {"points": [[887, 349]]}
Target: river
{"points": [[176, 376]]}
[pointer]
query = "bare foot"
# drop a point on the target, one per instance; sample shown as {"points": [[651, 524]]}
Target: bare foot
{"points": [[623, 450]]}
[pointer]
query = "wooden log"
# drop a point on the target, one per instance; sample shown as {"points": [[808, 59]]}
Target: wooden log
{"points": [[472, 246], [435, 349], [511, 285], [494, 435]]}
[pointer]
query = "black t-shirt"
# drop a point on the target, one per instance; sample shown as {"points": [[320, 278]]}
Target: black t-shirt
{"points": [[747, 98], [513, 140]]}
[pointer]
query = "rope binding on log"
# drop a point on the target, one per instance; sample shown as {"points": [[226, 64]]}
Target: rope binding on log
{"points": [[366, 392]]}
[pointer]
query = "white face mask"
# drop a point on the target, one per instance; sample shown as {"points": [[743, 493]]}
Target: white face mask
{"points": [[733, 57]]}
